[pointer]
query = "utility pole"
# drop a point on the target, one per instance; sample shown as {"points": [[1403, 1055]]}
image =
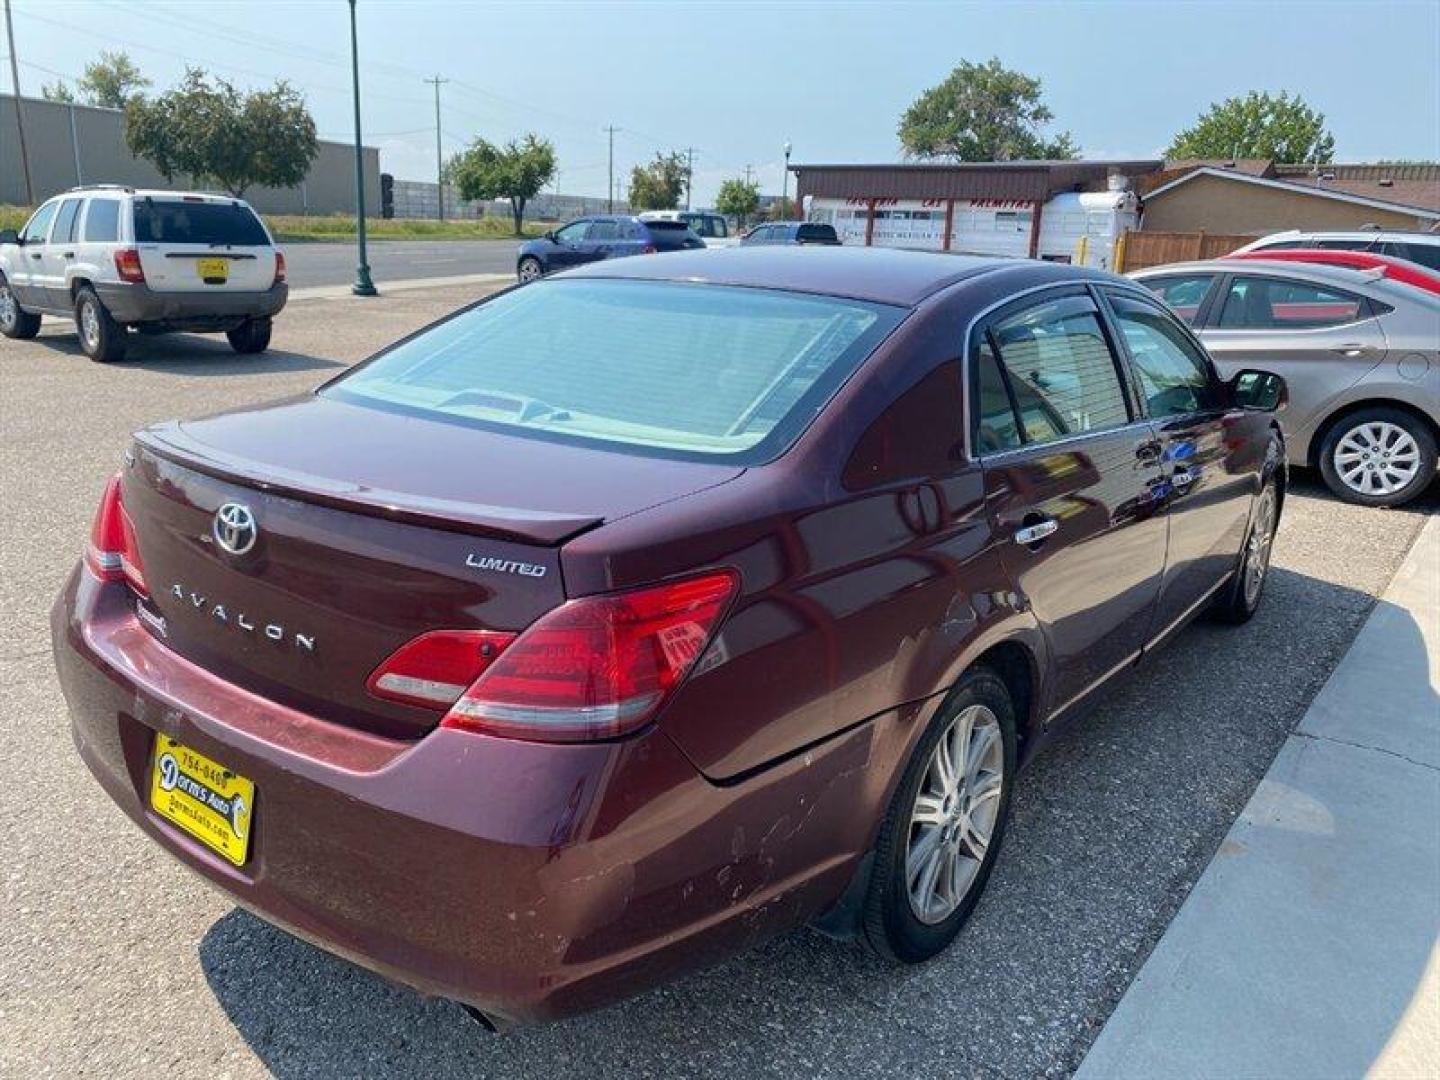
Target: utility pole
{"points": [[611, 198], [689, 173], [748, 170], [19, 120], [785, 181], [363, 285], [439, 166]]}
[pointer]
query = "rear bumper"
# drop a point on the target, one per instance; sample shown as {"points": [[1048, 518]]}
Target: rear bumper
{"points": [[531, 881], [133, 303]]}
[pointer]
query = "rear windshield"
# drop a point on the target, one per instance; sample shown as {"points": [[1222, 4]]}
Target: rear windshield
{"points": [[197, 223], [670, 234], [698, 372]]}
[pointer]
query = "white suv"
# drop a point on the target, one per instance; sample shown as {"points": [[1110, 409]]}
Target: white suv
{"points": [[1417, 247], [114, 258], [712, 228]]}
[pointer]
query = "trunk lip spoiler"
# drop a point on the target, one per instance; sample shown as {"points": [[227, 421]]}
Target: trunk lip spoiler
{"points": [[546, 528]]}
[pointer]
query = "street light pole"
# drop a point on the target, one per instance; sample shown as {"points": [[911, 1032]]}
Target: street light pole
{"points": [[785, 181], [363, 285]]}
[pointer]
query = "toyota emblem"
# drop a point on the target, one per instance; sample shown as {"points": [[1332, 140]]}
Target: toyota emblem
{"points": [[234, 528]]}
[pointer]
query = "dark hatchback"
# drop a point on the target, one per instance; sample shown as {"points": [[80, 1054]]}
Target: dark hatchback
{"points": [[792, 232], [592, 239], [622, 620]]}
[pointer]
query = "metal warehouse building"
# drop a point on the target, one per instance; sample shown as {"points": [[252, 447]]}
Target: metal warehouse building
{"points": [[1059, 210]]}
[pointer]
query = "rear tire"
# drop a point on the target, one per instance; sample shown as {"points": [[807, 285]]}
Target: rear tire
{"points": [[101, 338], [15, 323], [251, 336], [944, 827], [1378, 457], [1241, 598]]}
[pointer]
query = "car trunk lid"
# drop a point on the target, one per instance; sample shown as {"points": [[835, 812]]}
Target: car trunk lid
{"points": [[200, 244], [369, 530]]}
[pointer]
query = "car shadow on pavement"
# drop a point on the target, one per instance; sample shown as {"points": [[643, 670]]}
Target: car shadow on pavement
{"points": [[1112, 827], [195, 354]]}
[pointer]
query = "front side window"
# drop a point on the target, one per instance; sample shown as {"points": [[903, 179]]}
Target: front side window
{"points": [[1183, 292], [208, 223], [1256, 303], [1426, 255], [572, 233], [38, 227], [700, 372], [1174, 377], [102, 221], [1061, 370]]}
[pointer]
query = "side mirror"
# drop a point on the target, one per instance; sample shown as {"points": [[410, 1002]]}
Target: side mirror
{"points": [[9, 236], [550, 235], [1262, 391]]}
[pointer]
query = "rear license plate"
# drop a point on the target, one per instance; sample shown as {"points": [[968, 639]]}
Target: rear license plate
{"points": [[213, 271], [207, 800]]}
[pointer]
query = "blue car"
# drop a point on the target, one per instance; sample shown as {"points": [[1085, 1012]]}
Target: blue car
{"points": [[603, 236]]}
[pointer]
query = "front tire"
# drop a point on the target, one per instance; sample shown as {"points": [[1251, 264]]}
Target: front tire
{"points": [[945, 823], [1378, 457], [1241, 599], [251, 336], [15, 322], [101, 338], [529, 269]]}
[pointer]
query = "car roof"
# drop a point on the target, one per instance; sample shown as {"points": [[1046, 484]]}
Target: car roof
{"points": [[1403, 235], [878, 275]]}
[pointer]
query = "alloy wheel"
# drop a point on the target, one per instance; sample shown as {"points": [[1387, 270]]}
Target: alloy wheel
{"points": [[1377, 458], [955, 814], [8, 310], [529, 270], [1257, 552], [89, 324]]}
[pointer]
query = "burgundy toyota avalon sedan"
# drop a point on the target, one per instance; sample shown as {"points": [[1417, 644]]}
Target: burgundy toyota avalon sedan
{"points": [[622, 619]]}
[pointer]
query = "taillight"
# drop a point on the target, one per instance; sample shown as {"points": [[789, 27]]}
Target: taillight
{"points": [[127, 265], [436, 668], [113, 554], [593, 668], [279, 268]]}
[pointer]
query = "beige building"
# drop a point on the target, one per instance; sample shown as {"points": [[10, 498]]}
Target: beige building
{"points": [[1259, 197]]}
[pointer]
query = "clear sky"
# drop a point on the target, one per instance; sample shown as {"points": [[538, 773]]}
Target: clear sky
{"points": [[736, 80]]}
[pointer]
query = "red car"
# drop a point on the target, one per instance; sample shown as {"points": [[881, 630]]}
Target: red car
{"points": [[633, 615], [1401, 270]]}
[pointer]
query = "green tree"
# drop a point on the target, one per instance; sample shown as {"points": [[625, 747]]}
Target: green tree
{"points": [[982, 112], [782, 209], [658, 185], [1258, 125], [58, 91], [112, 81], [738, 199], [213, 133], [516, 171]]}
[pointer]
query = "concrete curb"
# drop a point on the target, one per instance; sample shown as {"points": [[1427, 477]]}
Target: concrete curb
{"points": [[342, 292], [1308, 946]]}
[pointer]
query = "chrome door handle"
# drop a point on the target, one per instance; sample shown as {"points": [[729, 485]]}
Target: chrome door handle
{"points": [[1033, 534], [1354, 350]]}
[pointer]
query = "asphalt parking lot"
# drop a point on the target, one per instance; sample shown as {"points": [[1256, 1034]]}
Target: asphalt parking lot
{"points": [[115, 961]]}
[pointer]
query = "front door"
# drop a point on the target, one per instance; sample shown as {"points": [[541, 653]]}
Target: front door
{"points": [[568, 245], [27, 275], [1208, 488], [1073, 482]]}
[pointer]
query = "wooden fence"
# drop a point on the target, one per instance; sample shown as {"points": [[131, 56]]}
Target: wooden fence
{"points": [[1137, 250]]}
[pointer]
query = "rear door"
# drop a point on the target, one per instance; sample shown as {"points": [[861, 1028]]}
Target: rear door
{"points": [[1320, 338], [1207, 478], [1073, 481], [604, 240], [195, 243]]}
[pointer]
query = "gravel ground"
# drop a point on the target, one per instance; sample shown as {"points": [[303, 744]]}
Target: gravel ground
{"points": [[114, 961]]}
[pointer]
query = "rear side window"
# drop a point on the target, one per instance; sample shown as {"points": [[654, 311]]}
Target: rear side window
{"points": [[699, 372], [102, 221], [1256, 303], [168, 222], [64, 230], [604, 230], [816, 233], [996, 428], [1174, 376], [1061, 370], [1185, 293], [1427, 255]]}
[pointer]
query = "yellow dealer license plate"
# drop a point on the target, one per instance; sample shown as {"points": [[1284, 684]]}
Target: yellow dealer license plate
{"points": [[213, 271], [207, 800]]}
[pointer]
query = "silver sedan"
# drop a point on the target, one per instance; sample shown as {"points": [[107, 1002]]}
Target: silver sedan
{"points": [[1360, 353]]}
